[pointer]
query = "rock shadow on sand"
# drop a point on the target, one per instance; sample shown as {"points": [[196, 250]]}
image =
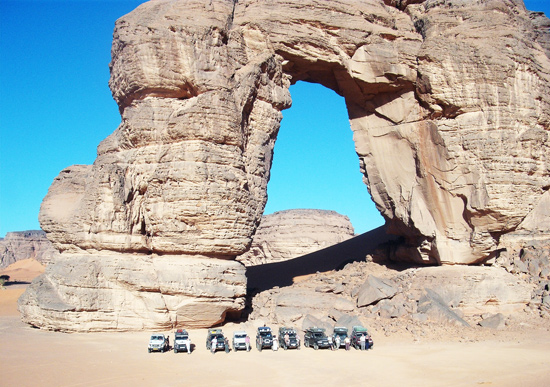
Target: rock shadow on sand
{"points": [[270, 275]]}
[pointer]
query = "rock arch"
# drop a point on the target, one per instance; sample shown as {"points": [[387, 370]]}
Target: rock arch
{"points": [[450, 114]]}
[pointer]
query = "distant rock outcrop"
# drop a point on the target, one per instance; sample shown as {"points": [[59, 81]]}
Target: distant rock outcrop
{"points": [[293, 233], [19, 245]]}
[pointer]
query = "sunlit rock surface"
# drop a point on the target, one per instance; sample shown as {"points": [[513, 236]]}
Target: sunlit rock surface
{"points": [[293, 233], [448, 102]]}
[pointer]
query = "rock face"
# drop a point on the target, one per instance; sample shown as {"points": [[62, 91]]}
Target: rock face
{"points": [[133, 292], [293, 233], [21, 245], [448, 102]]}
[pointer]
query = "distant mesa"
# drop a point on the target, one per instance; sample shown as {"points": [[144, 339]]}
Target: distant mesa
{"points": [[19, 245], [290, 234]]}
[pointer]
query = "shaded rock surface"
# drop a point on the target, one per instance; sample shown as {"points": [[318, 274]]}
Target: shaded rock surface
{"points": [[293, 233], [19, 245]]}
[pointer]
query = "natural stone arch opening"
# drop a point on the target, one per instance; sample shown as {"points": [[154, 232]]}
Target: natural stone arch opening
{"points": [[454, 147], [314, 163]]}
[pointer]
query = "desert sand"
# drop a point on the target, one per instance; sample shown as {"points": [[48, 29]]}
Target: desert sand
{"points": [[32, 357]]}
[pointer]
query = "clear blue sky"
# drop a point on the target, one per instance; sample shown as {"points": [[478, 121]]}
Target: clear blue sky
{"points": [[56, 106]]}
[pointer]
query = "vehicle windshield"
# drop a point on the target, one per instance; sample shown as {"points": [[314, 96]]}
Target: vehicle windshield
{"points": [[241, 336], [181, 337], [156, 337], [266, 335], [318, 335]]}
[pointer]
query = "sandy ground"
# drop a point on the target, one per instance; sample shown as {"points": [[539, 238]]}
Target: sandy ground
{"points": [[31, 357]]}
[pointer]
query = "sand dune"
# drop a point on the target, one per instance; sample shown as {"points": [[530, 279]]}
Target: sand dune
{"points": [[23, 271]]}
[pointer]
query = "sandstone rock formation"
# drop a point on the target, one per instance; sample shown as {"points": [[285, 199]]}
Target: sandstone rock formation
{"points": [[448, 102], [125, 292], [293, 233], [20, 245]]}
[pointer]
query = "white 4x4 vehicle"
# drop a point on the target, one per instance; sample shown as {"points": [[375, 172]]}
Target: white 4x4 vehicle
{"points": [[239, 341], [158, 342]]}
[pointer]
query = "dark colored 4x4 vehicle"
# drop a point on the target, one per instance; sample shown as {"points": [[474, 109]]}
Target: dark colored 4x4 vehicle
{"points": [[264, 338], [316, 338], [220, 340], [356, 334], [339, 333], [290, 334]]}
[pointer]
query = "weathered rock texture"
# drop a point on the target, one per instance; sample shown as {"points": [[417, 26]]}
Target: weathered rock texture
{"points": [[456, 295], [448, 102], [293, 233], [21, 245], [132, 292]]}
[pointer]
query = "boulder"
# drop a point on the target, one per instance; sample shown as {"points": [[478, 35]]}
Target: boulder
{"points": [[375, 289], [434, 307], [495, 321]]}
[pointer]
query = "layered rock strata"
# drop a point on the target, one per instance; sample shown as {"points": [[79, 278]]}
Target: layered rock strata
{"points": [[109, 291], [292, 233], [19, 245], [448, 102]]}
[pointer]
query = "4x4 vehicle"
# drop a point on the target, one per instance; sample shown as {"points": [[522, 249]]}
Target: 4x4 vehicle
{"points": [[239, 341], [181, 341], [316, 338], [264, 338], [158, 342], [220, 340], [293, 341], [356, 334], [341, 333]]}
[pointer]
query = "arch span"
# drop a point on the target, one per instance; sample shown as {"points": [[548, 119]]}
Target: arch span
{"points": [[450, 114]]}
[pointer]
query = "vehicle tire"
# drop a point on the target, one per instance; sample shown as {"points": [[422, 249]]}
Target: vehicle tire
{"points": [[315, 346], [306, 344], [175, 350], [149, 350]]}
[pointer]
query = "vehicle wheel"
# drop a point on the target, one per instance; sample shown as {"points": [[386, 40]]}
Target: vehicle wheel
{"points": [[306, 344], [175, 350], [149, 350], [315, 346]]}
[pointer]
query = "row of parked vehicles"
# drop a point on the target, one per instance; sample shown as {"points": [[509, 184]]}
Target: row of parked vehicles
{"points": [[288, 339]]}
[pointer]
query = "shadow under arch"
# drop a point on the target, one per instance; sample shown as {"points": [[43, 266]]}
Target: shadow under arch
{"points": [[267, 276]]}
